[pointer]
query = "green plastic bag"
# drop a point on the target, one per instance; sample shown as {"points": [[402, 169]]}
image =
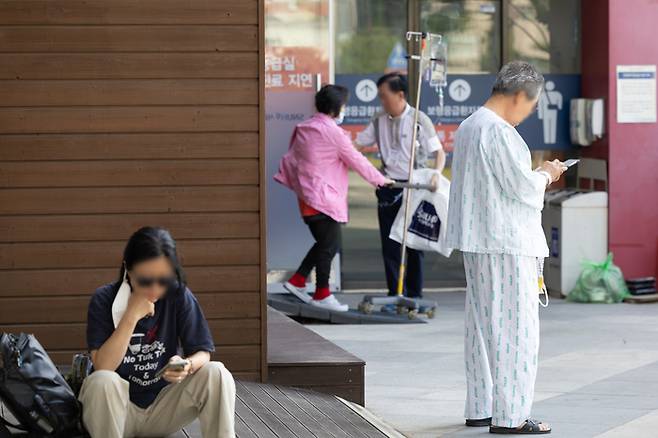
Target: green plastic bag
{"points": [[599, 283]]}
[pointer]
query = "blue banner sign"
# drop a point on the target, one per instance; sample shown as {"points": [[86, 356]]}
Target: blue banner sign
{"points": [[546, 129]]}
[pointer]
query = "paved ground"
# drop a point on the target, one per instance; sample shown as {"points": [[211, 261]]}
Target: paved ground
{"points": [[598, 374]]}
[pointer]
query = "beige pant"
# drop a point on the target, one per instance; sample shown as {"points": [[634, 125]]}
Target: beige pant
{"points": [[209, 394]]}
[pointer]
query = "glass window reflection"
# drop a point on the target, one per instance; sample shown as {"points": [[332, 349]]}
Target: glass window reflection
{"points": [[472, 31], [369, 36], [545, 33]]}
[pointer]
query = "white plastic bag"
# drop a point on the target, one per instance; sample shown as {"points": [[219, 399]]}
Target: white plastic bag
{"points": [[428, 213]]}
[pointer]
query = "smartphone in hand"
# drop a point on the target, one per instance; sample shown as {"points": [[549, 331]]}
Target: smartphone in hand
{"points": [[570, 162], [174, 365]]}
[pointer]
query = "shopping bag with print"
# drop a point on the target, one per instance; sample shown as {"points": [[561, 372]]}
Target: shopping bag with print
{"points": [[428, 212]]}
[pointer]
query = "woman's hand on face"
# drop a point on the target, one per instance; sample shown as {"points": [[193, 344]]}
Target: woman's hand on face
{"points": [[175, 376], [139, 306]]}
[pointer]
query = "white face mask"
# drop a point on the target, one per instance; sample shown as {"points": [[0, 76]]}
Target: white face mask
{"points": [[340, 117]]}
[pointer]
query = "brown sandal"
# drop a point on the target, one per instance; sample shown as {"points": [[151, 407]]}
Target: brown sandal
{"points": [[530, 427]]}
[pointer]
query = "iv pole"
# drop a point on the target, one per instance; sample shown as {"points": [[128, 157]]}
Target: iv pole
{"points": [[419, 38], [402, 302]]}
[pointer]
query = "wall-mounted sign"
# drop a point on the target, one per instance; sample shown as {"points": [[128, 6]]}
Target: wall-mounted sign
{"points": [[636, 94], [546, 129], [294, 68]]}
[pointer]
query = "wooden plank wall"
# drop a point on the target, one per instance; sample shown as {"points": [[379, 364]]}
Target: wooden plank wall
{"points": [[115, 115]]}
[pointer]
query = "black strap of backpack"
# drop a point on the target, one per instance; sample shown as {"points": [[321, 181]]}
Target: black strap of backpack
{"points": [[4, 424], [4, 432]]}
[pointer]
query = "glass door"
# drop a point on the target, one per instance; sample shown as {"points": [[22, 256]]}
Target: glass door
{"points": [[298, 58], [369, 42]]}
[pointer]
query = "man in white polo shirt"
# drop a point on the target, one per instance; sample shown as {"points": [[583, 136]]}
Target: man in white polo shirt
{"points": [[392, 131]]}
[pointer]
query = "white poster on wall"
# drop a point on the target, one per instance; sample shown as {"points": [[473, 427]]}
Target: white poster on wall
{"points": [[636, 94]]}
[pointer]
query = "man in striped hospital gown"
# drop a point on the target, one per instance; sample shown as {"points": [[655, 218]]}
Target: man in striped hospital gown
{"points": [[495, 220]]}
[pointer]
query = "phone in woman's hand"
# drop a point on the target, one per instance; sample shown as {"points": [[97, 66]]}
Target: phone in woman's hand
{"points": [[174, 365]]}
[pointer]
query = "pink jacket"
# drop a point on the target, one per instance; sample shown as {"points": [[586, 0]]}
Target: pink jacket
{"points": [[316, 164]]}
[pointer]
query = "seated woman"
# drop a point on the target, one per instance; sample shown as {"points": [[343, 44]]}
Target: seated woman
{"points": [[134, 328]]}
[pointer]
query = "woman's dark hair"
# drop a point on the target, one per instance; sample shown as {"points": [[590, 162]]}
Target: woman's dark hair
{"points": [[330, 99], [149, 243], [396, 82]]}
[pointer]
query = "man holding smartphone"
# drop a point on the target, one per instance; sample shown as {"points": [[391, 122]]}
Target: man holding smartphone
{"points": [[494, 218]]}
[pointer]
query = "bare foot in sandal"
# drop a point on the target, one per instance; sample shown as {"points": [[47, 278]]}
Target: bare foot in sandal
{"points": [[528, 427]]}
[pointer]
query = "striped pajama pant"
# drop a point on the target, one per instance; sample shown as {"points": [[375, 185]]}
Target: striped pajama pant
{"points": [[502, 336]]}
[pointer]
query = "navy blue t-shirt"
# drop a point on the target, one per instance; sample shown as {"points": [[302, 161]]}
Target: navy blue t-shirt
{"points": [[178, 321]]}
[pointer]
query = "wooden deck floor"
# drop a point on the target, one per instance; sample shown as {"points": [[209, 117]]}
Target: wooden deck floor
{"points": [[272, 411]]}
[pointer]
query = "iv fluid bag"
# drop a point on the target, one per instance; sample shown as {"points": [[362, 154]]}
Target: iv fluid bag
{"points": [[438, 66]]}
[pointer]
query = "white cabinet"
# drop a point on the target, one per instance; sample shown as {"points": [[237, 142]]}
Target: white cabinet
{"points": [[576, 226]]}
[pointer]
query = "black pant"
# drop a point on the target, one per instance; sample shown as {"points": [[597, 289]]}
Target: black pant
{"points": [[326, 233], [389, 201]]}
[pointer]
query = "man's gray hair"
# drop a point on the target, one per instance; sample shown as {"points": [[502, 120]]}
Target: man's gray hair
{"points": [[516, 76]]}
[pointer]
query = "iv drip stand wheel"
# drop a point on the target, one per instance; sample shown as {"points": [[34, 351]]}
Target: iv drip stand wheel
{"points": [[411, 306]]}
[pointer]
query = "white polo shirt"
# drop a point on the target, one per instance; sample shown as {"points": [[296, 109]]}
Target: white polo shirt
{"points": [[394, 140]]}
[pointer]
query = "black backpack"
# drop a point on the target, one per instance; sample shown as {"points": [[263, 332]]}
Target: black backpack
{"points": [[35, 392]]}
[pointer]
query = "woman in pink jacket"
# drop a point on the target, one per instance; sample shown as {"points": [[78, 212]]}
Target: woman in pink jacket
{"points": [[315, 168]]}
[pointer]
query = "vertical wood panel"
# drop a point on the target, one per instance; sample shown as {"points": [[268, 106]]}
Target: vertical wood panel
{"points": [[129, 38], [133, 146], [86, 12], [129, 92], [167, 65], [263, 189], [129, 119], [124, 114]]}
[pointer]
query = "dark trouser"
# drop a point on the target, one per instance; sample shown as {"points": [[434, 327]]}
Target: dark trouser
{"points": [[389, 201], [326, 233]]}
